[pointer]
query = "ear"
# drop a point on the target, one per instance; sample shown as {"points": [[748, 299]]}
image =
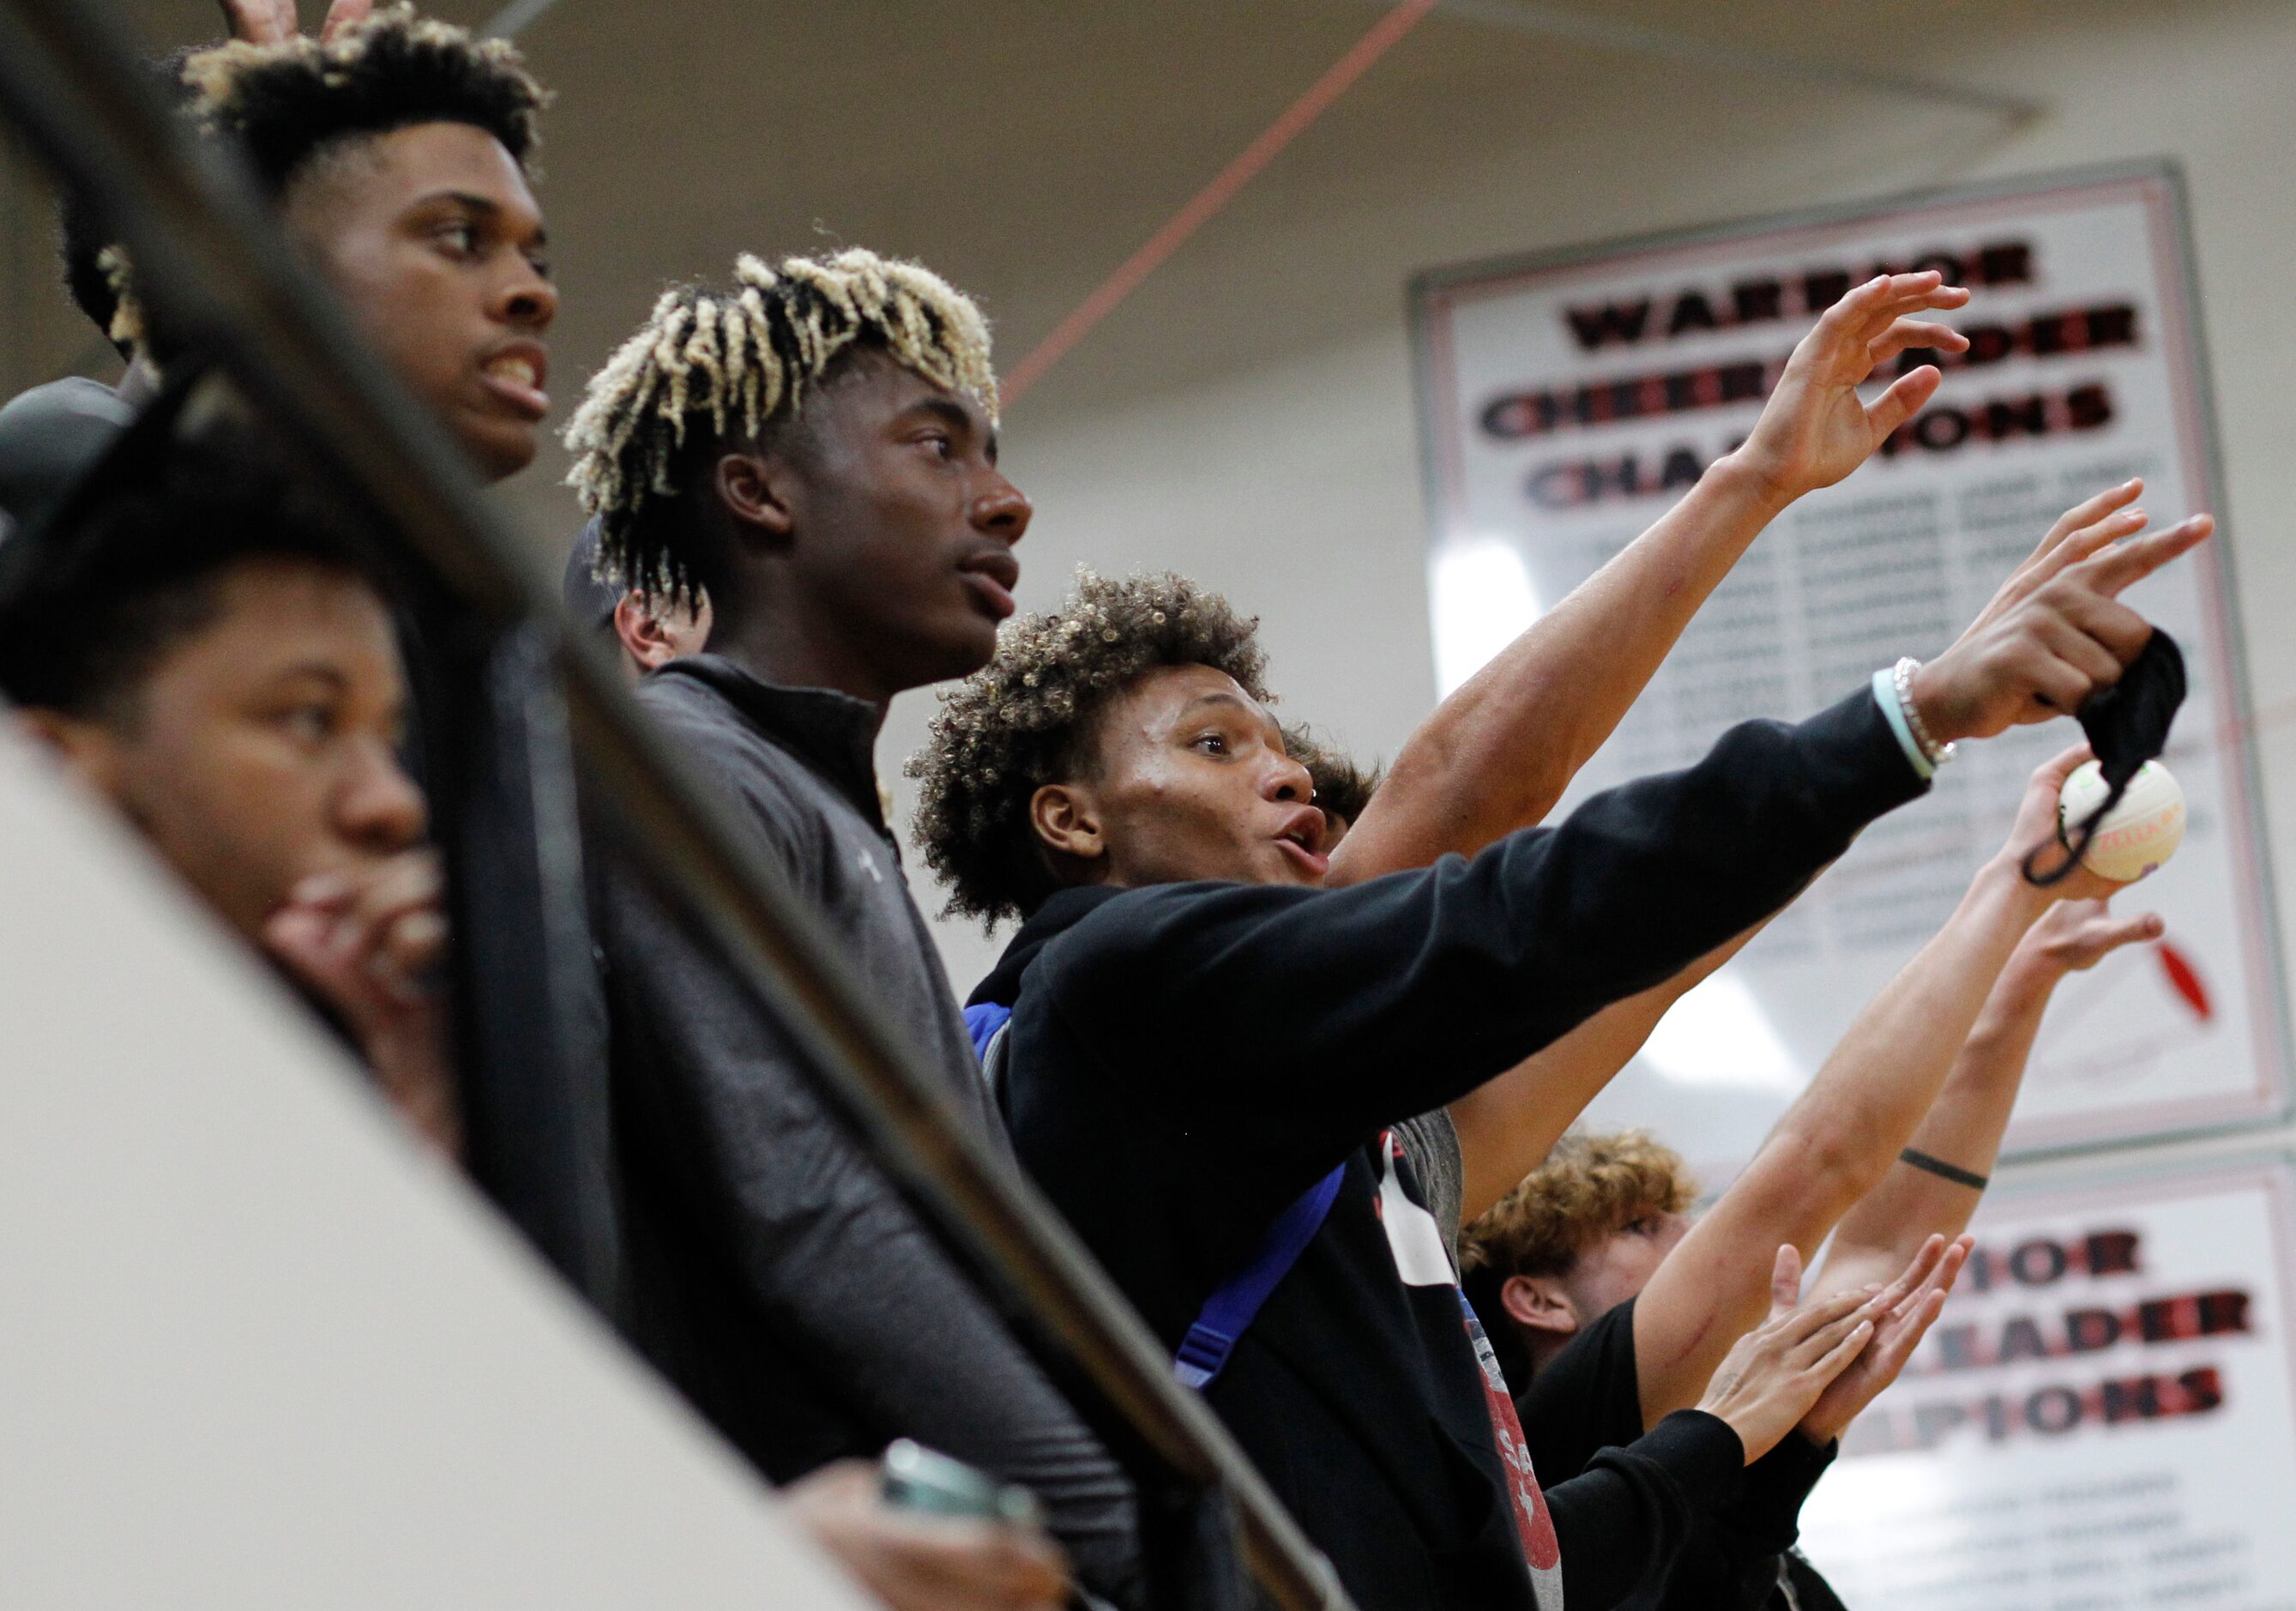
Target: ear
{"points": [[86, 748], [753, 490], [1538, 1304], [1067, 821], [645, 639]]}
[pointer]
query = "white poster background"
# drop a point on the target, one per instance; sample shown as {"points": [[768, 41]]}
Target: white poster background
{"points": [[1894, 560], [2193, 1509]]}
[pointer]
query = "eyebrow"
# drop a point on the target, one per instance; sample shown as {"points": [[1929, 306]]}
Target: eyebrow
{"points": [[486, 207], [324, 671], [1245, 705]]}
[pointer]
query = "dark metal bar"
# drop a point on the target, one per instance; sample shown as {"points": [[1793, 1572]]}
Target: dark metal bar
{"points": [[210, 263], [529, 1017]]}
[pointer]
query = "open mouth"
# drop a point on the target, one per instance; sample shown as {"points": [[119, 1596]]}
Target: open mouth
{"points": [[1302, 843], [515, 374]]}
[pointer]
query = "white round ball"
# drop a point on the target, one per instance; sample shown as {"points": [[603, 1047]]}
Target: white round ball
{"points": [[2136, 835]]}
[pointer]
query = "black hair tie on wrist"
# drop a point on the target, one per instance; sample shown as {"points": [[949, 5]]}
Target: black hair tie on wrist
{"points": [[1944, 1171], [2127, 725]]}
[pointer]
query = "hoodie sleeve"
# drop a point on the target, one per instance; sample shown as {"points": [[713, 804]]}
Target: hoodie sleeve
{"points": [[1304, 1019], [1621, 1522]]}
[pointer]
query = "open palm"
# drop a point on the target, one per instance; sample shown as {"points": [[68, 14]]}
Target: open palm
{"points": [[1814, 430]]}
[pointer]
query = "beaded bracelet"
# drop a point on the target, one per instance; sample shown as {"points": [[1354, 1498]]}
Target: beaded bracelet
{"points": [[1901, 678]]}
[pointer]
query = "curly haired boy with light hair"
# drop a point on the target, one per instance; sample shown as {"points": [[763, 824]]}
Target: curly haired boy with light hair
{"points": [[1591, 1189]]}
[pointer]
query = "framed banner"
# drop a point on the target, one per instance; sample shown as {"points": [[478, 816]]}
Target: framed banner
{"points": [[2105, 1414], [1569, 400]]}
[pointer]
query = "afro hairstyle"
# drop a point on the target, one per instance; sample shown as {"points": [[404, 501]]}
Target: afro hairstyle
{"points": [[1027, 718]]}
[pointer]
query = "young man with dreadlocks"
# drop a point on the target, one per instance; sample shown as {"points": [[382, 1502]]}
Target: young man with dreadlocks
{"points": [[395, 149], [1196, 1025], [814, 448]]}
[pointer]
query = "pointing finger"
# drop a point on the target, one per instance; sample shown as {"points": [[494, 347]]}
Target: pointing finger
{"points": [[2094, 540], [2118, 568], [2087, 513]]}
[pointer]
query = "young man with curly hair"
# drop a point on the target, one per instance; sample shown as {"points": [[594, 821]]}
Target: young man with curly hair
{"points": [[396, 149], [812, 447], [1196, 1024]]}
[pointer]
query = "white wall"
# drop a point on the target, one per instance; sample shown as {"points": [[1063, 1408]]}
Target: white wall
{"points": [[260, 1352]]}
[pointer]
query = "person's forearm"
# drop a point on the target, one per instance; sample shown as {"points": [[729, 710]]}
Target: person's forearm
{"points": [[1498, 752], [1834, 1144], [1963, 1129], [1885, 1074], [1507, 1126]]}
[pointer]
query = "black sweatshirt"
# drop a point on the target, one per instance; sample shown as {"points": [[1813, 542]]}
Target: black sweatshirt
{"points": [[773, 1274], [1588, 1398], [1188, 1059]]}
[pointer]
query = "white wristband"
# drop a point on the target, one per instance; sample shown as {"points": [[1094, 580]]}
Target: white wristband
{"points": [[1885, 694]]}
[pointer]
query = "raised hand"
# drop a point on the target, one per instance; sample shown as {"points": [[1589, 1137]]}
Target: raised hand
{"points": [[368, 943], [1907, 1307], [275, 23], [2079, 934], [1814, 430], [2056, 631], [1772, 1376], [2036, 825]]}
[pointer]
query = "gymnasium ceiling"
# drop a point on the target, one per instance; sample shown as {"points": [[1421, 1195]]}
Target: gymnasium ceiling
{"points": [[1025, 147]]}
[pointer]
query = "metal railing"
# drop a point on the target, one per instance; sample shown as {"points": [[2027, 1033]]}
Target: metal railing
{"points": [[527, 699]]}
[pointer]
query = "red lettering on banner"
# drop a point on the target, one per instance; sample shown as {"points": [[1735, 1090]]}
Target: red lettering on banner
{"points": [[1767, 298]]}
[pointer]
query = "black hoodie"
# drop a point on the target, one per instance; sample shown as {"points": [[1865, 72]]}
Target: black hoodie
{"points": [[1188, 1059]]}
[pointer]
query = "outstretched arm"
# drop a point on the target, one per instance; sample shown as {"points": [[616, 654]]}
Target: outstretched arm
{"points": [[1841, 1138], [1497, 753], [1507, 1126], [1963, 1129]]}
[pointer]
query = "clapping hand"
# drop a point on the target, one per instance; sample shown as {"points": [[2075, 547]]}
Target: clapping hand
{"points": [[1905, 1310], [1774, 1373]]}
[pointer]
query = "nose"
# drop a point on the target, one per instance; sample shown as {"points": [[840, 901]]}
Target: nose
{"points": [[1004, 509], [1288, 780], [528, 300], [379, 806]]}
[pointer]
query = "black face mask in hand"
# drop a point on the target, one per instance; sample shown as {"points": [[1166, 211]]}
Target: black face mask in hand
{"points": [[2127, 725]]}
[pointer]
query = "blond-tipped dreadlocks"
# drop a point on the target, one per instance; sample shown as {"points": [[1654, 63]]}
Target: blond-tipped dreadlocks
{"points": [[741, 360]]}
